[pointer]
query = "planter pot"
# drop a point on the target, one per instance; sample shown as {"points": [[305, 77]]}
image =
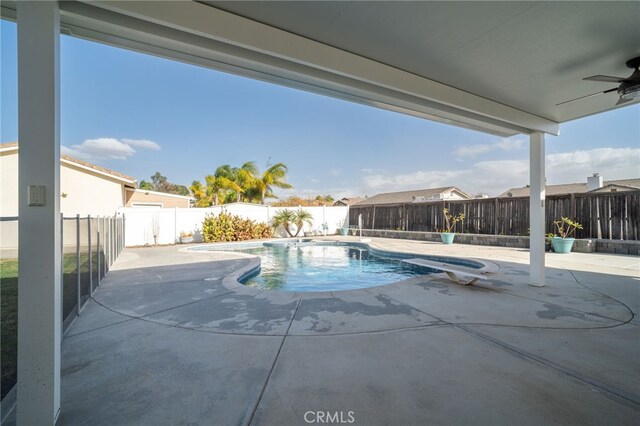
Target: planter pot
{"points": [[447, 237], [344, 231], [562, 245], [186, 240]]}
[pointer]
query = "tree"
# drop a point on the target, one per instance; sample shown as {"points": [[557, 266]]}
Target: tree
{"points": [[245, 183], [199, 192], [284, 218], [146, 185], [245, 177], [294, 201], [221, 183], [274, 176], [300, 218], [160, 183]]}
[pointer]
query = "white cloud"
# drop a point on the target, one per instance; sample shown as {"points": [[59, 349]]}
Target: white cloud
{"points": [[470, 151], [494, 177], [141, 143], [108, 148], [336, 172], [415, 180], [611, 163]]}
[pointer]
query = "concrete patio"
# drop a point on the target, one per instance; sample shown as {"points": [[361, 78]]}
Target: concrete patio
{"points": [[172, 338]]}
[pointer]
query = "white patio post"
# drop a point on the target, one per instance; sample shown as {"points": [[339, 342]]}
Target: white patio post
{"points": [[39, 289], [536, 209]]}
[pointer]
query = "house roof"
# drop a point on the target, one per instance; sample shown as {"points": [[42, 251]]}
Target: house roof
{"points": [[624, 186], [570, 188], [408, 196], [348, 201], [10, 146], [164, 194]]}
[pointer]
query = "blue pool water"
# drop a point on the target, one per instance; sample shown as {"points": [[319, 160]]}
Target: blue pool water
{"points": [[327, 266]]}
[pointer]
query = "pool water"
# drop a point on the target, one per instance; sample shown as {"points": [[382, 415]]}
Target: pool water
{"points": [[325, 267]]}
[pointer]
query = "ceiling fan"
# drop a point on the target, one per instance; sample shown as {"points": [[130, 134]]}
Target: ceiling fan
{"points": [[629, 87]]}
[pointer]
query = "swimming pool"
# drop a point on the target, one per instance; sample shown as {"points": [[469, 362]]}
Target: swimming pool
{"points": [[328, 266]]}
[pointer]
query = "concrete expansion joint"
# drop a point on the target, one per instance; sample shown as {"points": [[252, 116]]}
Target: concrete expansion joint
{"points": [[273, 365]]}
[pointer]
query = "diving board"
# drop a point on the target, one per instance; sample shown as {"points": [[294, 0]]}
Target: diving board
{"points": [[454, 272]]}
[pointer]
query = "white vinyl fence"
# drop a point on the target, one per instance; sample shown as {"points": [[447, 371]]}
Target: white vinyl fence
{"points": [[149, 226]]}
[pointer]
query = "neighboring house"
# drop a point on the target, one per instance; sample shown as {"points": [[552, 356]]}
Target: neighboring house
{"points": [[417, 196], [348, 201], [594, 184], [146, 198], [85, 189]]}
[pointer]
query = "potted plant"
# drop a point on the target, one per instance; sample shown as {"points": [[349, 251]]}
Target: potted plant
{"points": [[548, 242], [446, 235], [186, 237], [565, 228], [341, 229]]}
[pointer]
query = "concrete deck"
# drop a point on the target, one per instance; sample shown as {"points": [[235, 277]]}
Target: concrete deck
{"points": [[172, 338]]}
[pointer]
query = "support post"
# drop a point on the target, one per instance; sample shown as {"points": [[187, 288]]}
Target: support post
{"points": [[39, 253], [536, 209]]}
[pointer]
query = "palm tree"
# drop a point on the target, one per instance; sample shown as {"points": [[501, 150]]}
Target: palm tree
{"points": [[245, 177], [284, 218], [199, 192], [300, 218], [221, 182], [274, 176]]}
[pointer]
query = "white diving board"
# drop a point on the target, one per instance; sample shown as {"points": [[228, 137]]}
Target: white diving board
{"points": [[454, 272]]}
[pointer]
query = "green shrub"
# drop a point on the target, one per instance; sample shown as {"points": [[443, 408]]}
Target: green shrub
{"points": [[226, 227]]}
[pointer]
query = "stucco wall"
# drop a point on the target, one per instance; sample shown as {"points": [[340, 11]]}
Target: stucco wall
{"points": [[146, 197], [86, 192], [9, 184]]}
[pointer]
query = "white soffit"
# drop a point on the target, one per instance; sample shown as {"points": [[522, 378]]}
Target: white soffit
{"points": [[358, 51]]}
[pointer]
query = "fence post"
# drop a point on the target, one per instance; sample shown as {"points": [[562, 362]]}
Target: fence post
{"points": [[98, 251], [495, 216], [373, 219], [110, 222], [119, 236], [78, 277], [62, 266], [124, 228], [113, 239], [107, 248], [90, 256]]}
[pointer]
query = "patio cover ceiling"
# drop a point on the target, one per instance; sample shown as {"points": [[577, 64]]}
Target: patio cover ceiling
{"points": [[498, 67]]}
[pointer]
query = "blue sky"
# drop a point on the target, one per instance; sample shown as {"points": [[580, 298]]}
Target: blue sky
{"points": [[139, 114]]}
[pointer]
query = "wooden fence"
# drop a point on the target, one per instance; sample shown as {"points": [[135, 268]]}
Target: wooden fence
{"points": [[611, 215]]}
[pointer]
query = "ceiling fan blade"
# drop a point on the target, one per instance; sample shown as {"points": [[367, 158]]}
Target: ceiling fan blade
{"points": [[588, 96], [623, 101], [605, 78]]}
